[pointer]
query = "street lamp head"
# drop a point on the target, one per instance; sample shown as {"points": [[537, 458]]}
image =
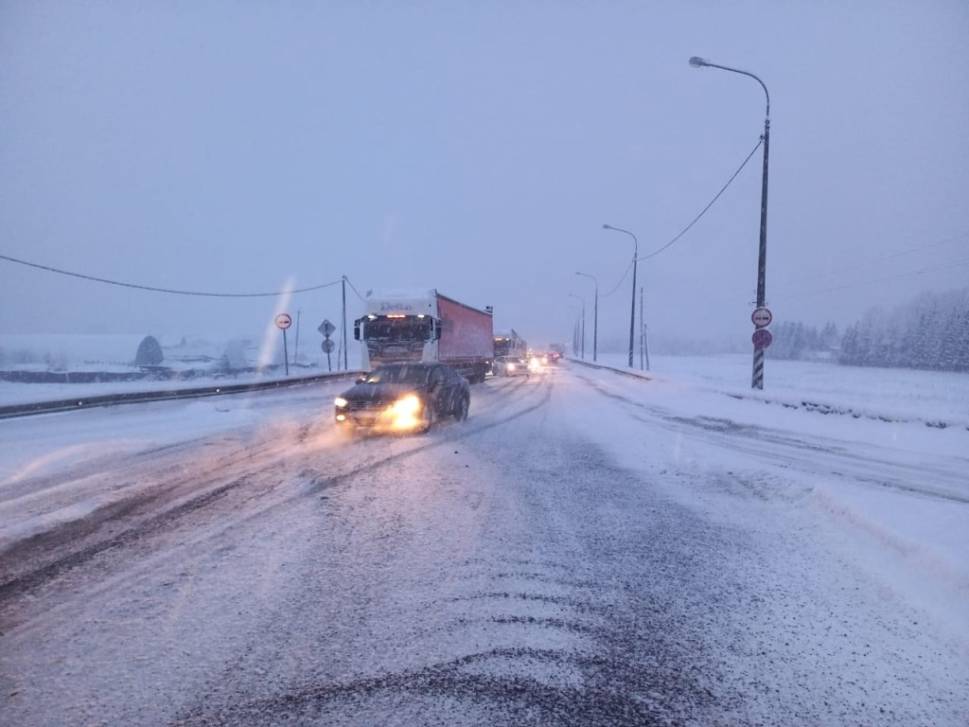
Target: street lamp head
{"points": [[607, 227], [698, 62]]}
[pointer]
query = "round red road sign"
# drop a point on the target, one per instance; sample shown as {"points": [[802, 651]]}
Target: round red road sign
{"points": [[762, 338], [284, 321]]}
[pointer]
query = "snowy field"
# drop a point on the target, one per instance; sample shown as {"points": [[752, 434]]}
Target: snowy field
{"points": [[907, 394], [115, 353], [100, 352], [17, 393]]}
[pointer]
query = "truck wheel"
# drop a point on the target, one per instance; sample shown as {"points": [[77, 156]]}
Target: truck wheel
{"points": [[461, 412]]}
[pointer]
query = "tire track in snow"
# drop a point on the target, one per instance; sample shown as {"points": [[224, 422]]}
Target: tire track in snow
{"points": [[280, 456]]}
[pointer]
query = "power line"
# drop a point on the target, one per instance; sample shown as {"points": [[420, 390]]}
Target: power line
{"points": [[154, 289], [867, 262], [910, 273], [692, 222], [354, 288], [710, 204], [621, 281]]}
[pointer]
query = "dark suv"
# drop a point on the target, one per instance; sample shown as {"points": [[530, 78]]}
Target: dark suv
{"points": [[404, 398]]}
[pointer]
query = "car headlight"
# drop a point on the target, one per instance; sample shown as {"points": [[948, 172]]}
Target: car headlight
{"points": [[511, 367], [407, 405], [340, 402]]}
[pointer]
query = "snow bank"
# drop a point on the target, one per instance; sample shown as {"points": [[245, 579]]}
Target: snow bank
{"points": [[930, 397]]}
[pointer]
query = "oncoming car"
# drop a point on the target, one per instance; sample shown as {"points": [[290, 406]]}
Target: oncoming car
{"points": [[403, 398], [537, 362], [510, 366]]}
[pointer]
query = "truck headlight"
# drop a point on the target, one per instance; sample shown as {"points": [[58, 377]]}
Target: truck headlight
{"points": [[340, 402]]}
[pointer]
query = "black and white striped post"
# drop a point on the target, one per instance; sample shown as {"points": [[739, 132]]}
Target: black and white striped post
{"points": [[761, 318], [757, 378]]}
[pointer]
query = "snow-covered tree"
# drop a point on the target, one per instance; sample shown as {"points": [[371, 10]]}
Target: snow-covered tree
{"points": [[929, 332]]}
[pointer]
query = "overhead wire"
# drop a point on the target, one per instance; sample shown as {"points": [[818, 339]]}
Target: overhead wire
{"points": [[868, 262], [157, 289], [621, 281], [873, 281], [676, 238], [354, 288]]}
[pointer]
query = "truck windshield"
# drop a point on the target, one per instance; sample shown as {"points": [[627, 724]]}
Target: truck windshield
{"points": [[398, 329]]}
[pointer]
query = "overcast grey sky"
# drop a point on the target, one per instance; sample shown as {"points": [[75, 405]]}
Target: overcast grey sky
{"points": [[477, 148]]}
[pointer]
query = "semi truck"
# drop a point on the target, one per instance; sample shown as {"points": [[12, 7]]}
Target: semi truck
{"points": [[510, 344], [425, 326]]}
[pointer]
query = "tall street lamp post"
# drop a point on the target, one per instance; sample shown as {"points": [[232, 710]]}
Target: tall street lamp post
{"points": [[632, 306], [595, 317], [582, 301], [757, 378]]}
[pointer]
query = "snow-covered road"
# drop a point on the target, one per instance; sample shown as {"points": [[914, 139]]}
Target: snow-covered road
{"points": [[585, 549]]}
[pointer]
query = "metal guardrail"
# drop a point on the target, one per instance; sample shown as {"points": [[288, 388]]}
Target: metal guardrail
{"points": [[137, 397]]}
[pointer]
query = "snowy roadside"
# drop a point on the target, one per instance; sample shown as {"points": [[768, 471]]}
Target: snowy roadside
{"points": [[936, 399], [892, 495]]}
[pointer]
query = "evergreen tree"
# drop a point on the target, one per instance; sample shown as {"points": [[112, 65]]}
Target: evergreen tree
{"points": [[929, 332]]}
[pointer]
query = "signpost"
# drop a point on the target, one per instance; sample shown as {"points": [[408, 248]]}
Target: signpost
{"points": [[327, 328], [761, 318], [284, 321], [328, 347]]}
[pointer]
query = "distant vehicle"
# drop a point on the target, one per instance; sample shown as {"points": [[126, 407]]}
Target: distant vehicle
{"points": [[510, 366], [403, 398], [510, 344], [537, 361], [557, 348], [424, 326]]}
